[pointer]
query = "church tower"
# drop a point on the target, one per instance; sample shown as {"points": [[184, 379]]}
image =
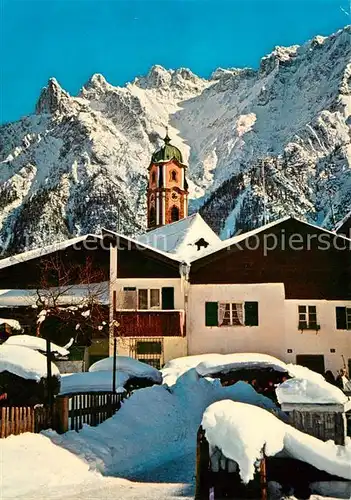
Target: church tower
{"points": [[167, 194]]}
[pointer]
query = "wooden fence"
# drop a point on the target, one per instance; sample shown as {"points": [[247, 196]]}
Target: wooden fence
{"points": [[69, 412], [90, 408], [16, 420]]}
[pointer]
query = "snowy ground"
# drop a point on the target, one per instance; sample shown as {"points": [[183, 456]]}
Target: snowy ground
{"points": [[145, 451]]}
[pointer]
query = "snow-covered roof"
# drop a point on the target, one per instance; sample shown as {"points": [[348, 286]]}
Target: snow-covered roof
{"points": [[225, 363], [307, 391], [24, 362], [39, 252], [243, 236], [141, 245], [92, 382], [13, 323], [342, 221], [241, 431], [127, 365], [36, 343], [75, 295], [181, 237]]}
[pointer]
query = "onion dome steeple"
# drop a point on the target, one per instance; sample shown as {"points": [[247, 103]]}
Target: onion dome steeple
{"points": [[167, 194], [167, 152]]}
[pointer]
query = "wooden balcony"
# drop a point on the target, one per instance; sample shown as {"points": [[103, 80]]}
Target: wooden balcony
{"points": [[151, 323]]}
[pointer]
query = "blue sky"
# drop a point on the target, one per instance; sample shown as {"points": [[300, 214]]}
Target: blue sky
{"points": [[72, 39]]}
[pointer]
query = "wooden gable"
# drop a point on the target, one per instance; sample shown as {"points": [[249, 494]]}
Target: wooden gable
{"points": [[319, 269], [27, 273]]}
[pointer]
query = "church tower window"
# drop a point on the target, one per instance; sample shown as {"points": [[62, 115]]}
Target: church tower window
{"points": [[174, 214], [152, 216]]}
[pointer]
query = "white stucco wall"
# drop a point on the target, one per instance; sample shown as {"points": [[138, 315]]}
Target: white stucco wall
{"points": [[327, 338], [267, 337]]}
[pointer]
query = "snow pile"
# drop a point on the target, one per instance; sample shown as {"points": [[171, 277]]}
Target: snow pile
{"points": [[155, 425], [242, 432], [92, 382], [43, 464], [303, 390], [24, 362], [13, 323], [36, 343], [225, 363], [174, 368], [130, 366]]}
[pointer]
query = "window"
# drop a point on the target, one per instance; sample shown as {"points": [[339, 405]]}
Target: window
{"points": [[174, 176], [308, 318], [152, 216], [148, 347], [148, 298], [174, 214], [343, 318], [226, 314], [230, 315], [129, 298], [148, 351]]}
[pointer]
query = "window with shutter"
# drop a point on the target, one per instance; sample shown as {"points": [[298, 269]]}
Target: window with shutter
{"points": [[230, 314], [211, 313], [343, 318], [251, 313]]}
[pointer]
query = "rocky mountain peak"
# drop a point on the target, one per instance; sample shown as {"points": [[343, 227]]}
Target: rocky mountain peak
{"points": [[96, 81], [52, 99], [157, 77]]}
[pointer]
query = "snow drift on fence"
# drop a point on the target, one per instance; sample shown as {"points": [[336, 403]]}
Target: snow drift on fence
{"points": [[24, 362], [36, 343], [242, 431], [128, 365]]}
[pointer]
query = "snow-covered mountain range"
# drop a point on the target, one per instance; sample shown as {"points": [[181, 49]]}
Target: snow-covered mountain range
{"points": [[80, 163]]}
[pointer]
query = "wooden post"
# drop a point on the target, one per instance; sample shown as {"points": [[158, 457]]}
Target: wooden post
{"points": [[263, 478], [202, 462], [3, 422], [50, 400], [114, 364], [61, 406]]}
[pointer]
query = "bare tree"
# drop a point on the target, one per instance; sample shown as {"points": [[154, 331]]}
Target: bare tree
{"points": [[72, 300]]}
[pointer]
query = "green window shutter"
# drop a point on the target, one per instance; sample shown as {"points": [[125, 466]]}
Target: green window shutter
{"points": [[211, 309], [168, 297], [340, 318], [251, 313]]}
